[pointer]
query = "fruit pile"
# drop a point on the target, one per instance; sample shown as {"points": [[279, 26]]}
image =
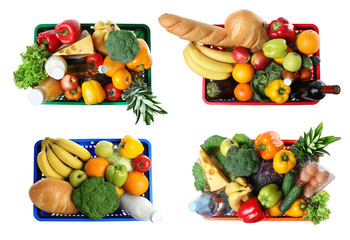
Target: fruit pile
{"points": [[267, 177], [71, 166], [279, 67]]}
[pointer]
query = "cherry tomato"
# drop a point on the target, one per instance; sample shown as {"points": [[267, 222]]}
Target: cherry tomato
{"points": [[141, 163], [112, 93]]}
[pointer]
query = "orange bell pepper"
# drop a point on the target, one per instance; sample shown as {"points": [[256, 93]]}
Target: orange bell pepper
{"points": [[112, 66], [74, 95], [275, 210], [298, 208], [268, 144], [93, 92], [143, 60]]}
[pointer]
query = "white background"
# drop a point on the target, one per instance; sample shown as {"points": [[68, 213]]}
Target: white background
{"points": [[175, 137]]}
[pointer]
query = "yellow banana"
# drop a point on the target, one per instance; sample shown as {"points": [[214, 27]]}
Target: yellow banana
{"points": [[101, 31], [202, 71], [66, 157], [45, 166], [73, 147], [206, 62], [217, 55], [57, 164]]}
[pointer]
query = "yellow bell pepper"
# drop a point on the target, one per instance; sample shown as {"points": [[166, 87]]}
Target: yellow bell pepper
{"points": [[284, 161], [130, 147], [93, 92], [298, 208], [277, 91]]}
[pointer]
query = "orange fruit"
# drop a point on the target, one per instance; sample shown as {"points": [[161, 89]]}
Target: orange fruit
{"points": [[308, 42], [121, 79], [136, 183], [243, 92], [112, 66], [96, 167], [243, 72]]}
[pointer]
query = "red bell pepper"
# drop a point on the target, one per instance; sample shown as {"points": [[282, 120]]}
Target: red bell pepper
{"points": [[49, 39], [68, 31], [250, 211], [282, 28], [112, 93]]}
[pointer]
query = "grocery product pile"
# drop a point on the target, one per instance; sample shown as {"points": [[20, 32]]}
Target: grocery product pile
{"points": [[74, 181], [267, 177], [249, 60], [71, 62]]}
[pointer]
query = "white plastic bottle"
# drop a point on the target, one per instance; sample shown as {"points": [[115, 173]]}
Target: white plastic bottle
{"points": [[56, 67], [139, 208]]}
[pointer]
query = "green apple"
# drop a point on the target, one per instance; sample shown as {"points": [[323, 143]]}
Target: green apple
{"points": [[292, 62], [226, 145], [104, 149], [77, 177]]}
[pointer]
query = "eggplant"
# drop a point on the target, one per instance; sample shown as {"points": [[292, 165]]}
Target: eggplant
{"points": [[221, 89]]}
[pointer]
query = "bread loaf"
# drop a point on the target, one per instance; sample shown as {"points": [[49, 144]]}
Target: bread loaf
{"points": [[196, 31], [247, 29], [53, 196]]}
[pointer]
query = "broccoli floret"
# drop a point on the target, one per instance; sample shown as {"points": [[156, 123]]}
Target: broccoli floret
{"points": [[241, 162], [212, 143], [122, 46], [199, 180], [96, 198]]}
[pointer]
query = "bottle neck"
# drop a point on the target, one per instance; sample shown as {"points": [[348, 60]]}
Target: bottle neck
{"points": [[330, 89]]}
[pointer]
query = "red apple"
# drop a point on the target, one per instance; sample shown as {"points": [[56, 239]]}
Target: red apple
{"points": [[241, 55], [259, 60], [69, 82]]}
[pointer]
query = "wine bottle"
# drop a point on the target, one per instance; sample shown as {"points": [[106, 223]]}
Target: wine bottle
{"points": [[313, 90]]}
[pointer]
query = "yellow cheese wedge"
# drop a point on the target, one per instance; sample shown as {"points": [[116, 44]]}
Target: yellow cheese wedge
{"points": [[216, 179], [82, 47]]}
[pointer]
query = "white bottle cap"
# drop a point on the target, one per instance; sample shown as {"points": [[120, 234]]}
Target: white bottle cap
{"points": [[57, 73], [102, 69], [287, 81], [36, 97], [156, 217], [193, 206]]}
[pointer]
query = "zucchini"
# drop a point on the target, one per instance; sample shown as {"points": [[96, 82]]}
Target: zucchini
{"points": [[290, 198], [288, 183]]}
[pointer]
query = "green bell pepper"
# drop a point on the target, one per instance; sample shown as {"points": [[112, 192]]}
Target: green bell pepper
{"points": [[275, 48], [269, 195], [116, 174]]}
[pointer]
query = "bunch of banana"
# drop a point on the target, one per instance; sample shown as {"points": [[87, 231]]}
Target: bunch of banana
{"points": [[207, 62], [59, 157], [99, 37]]}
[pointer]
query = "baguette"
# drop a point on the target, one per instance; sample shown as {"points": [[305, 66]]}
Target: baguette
{"points": [[53, 196], [247, 29], [196, 31]]}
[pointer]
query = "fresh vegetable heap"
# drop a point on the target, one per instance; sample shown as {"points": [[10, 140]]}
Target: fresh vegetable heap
{"points": [[267, 177], [97, 182], [103, 64]]}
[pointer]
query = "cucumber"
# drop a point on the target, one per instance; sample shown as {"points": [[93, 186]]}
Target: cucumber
{"points": [[290, 198], [288, 183]]}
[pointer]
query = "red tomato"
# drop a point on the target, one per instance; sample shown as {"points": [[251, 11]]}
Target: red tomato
{"points": [[141, 163], [112, 93]]}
